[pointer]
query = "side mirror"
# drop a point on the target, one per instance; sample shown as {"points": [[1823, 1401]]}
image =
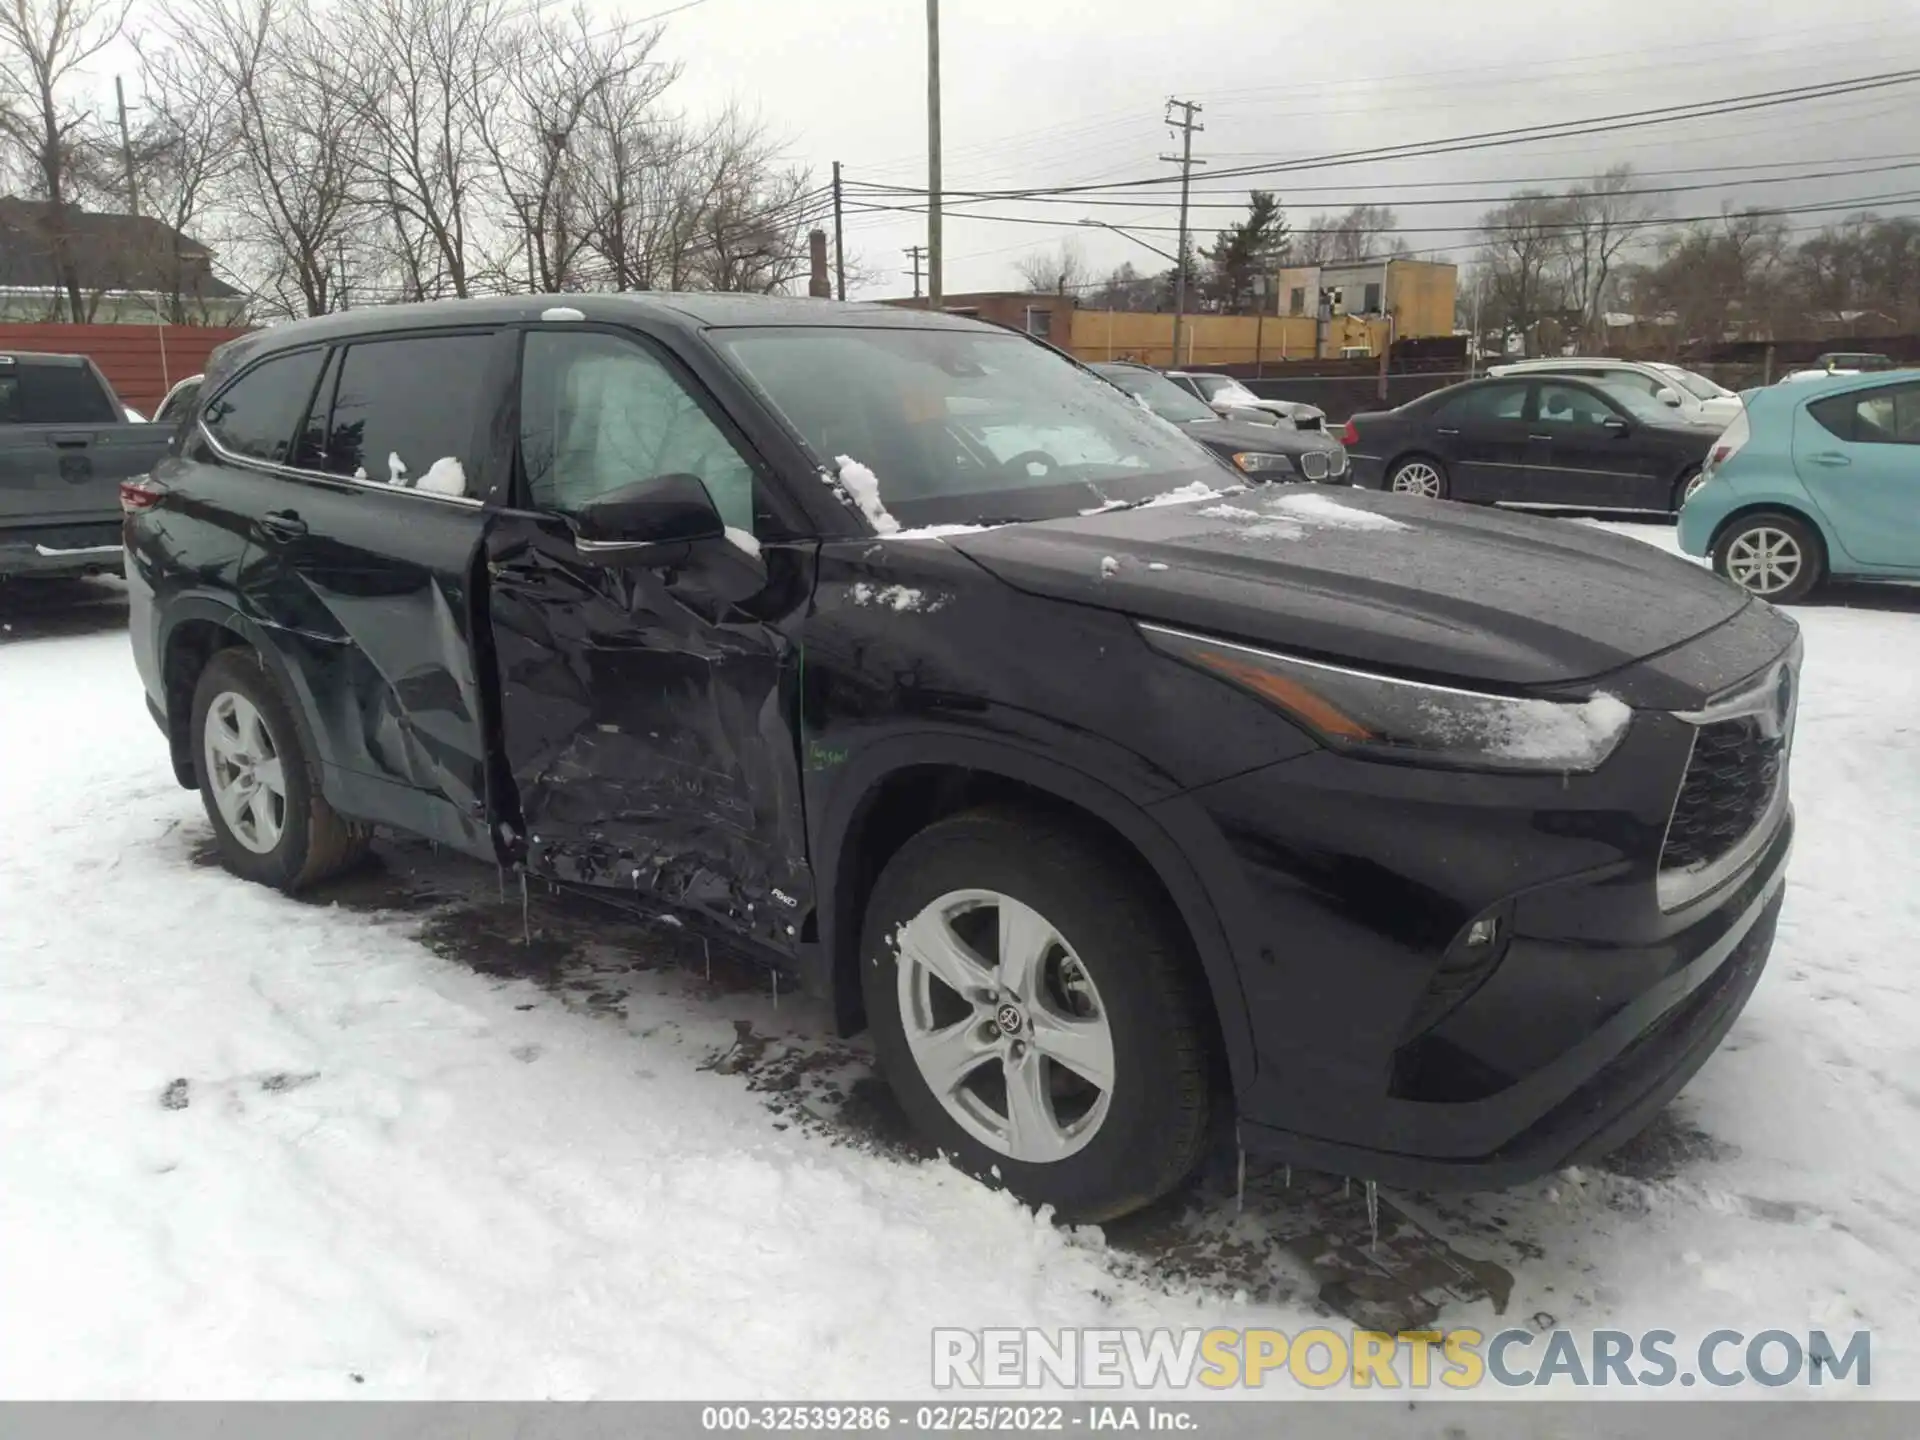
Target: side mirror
{"points": [[1667, 395], [662, 510]]}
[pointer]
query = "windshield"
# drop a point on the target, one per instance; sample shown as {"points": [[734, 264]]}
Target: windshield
{"points": [[1157, 393], [966, 426], [1223, 387], [1698, 386]]}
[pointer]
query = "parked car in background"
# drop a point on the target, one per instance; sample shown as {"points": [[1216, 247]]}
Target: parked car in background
{"points": [[1815, 480], [1697, 398], [1854, 361], [1534, 441], [65, 446], [1263, 451], [1109, 793], [1226, 394], [179, 401]]}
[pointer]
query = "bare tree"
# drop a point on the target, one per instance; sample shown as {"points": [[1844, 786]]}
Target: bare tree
{"points": [[1601, 220], [1059, 271], [1362, 233], [50, 40], [1520, 251], [185, 152]]}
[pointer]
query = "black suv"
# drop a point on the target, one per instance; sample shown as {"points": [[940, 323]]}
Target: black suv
{"points": [[1434, 846]]}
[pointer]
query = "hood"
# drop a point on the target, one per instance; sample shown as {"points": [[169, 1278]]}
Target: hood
{"points": [[1387, 582], [1265, 439]]}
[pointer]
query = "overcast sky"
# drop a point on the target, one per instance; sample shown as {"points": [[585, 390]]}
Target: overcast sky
{"points": [[1039, 92]]}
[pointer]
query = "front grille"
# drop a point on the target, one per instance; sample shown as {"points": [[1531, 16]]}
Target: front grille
{"points": [[1337, 462], [1313, 465], [1730, 783]]}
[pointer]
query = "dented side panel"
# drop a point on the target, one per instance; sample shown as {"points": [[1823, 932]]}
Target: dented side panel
{"points": [[372, 607], [650, 727]]}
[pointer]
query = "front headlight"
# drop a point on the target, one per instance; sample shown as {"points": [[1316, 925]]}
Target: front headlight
{"points": [[1258, 464], [1379, 718]]}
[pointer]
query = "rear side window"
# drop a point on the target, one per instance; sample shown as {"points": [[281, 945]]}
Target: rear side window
{"points": [[405, 412], [1490, 402], [54, 395], [258, 413], [1888, 416]]}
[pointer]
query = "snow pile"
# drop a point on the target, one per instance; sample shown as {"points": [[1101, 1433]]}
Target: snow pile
{"points": [[862, 486], [396, 468], [1574, 736], [1229, 512], [1109, 567], [936, 532], [744, 540], [1156, 565], [895, 597], [1325, 511], [446, 477]]}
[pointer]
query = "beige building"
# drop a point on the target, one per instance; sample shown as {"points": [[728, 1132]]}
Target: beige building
{"points": [[1379, 301]]}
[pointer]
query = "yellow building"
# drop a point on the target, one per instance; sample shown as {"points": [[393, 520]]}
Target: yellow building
{"points": [[1379, 301]]}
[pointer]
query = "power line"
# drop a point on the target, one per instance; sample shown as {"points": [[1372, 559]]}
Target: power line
{"points": [[1855, 203], [1516, 135], [1142, 202]]}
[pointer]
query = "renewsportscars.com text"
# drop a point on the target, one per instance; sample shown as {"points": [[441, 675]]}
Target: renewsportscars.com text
{"points": [[1458, 1359]]}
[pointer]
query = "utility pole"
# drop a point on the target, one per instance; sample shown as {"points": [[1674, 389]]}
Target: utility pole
{"points": [[839, 244], [1186, 125], [916, 251], [126, 147], [933, 155]]}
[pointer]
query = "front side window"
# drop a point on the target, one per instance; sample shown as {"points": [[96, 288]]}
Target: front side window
{"points": [[1571, 408], [59, 394], [599, 413], [1888, 416], [405, 413], [257, 414], [963, 425]]}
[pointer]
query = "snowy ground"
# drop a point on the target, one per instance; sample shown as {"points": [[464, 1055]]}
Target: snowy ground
{"points": [[376, 1146]]}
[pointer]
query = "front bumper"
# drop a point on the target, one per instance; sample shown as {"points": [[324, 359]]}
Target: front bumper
{"points": [[1349, 889]]}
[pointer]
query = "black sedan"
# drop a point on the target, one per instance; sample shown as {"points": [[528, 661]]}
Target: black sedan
{"points": [[1257, 448], [1533, 442]]}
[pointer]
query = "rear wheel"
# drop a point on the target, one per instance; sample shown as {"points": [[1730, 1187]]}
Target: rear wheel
{"points": [[1774, 555], [1034, 1009], [261, 792], [1419, 475]]}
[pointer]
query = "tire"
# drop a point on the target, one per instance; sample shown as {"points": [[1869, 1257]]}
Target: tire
{"points": [[1114, 959], [287, 837], [1420, 475], [1741, 554], [1684, 487]]}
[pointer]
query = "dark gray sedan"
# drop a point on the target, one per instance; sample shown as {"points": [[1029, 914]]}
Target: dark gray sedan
{"points": [[1257, 448]]}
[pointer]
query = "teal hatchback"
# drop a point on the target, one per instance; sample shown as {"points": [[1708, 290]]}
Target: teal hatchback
{"points": [[1813, 479]]}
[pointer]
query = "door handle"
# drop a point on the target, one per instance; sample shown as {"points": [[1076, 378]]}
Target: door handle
{"points": [[282, 525], [70, 442], [1441, 430], [1830, 458], [1540, 437]]}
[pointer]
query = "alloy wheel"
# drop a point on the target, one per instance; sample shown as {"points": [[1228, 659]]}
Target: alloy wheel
{"points": [[1005, 1025], [245, 773], [1765, 560], [1417, 477]]}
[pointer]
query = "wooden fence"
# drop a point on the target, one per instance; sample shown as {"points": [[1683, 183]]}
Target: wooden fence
{"points": [[141, 362]]}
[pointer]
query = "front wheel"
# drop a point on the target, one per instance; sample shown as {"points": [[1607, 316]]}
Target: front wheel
{"points": [[1775, 556], [1035, 1010], [1419, 475]]}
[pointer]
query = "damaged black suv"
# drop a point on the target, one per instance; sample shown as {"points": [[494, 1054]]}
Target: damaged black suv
{"points": [[1115, 798]]}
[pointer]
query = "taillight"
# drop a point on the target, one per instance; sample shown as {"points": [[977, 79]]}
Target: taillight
{"points": [[138, 495], [1350, 435]]}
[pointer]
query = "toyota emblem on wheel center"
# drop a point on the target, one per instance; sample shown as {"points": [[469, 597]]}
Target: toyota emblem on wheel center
{"points": [[1008, 1019]]}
